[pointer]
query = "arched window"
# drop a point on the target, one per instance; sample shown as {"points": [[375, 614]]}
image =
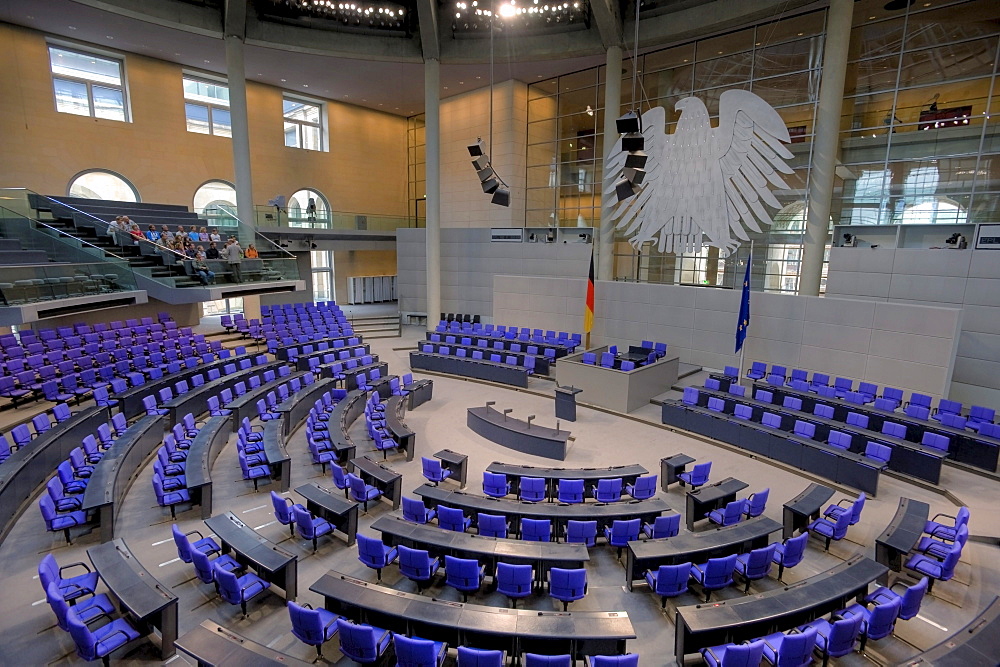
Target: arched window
{"points": [[211, 195], [102, 184], [299, 212]]}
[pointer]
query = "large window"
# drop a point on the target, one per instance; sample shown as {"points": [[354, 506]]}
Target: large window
{"points": [[308, 207], [100, 184], [303, 124], [87, 84], [206, 107], [211, 195], [322, 275]]}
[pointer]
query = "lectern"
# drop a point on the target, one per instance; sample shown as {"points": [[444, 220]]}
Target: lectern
{"points": [[566, 403]]}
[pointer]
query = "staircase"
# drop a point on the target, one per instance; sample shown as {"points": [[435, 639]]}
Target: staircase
{"points": [[11, 252], [376, 326]]}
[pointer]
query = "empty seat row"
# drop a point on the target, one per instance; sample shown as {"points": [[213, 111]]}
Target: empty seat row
{"points": [[535, 489]]}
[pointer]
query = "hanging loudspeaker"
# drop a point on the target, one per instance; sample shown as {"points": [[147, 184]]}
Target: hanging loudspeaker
{"points": [[633, 142], [628, 123], [634, 176], [477, 149], [501, 197], [635, 159], [486, 174], [490, 185], [624, 189], [481, 162]]}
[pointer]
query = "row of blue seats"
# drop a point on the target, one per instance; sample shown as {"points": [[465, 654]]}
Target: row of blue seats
{"points": [[947, 411], [151, 402], [497, 345], [304, 350], [26, 343], [550, 337], [318, 438], [21, 435], [301, 307], [480, 355], [28, 336], [534, 489], [375, 418]]}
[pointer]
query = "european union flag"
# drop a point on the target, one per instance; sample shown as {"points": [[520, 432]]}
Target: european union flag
{"points": [[744, 323]]}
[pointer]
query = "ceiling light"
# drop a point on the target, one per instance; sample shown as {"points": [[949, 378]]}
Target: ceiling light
{"points": [[72, 27], [283, 80], [507, 10]]}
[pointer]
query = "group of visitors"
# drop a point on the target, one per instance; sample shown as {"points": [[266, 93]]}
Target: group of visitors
{"points": [[231, 253]]}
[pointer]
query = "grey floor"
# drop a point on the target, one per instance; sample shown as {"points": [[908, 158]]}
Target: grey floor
{"points": [[30, 637]]}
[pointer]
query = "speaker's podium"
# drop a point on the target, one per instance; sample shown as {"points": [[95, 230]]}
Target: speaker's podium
{"points": [[566, 403]]}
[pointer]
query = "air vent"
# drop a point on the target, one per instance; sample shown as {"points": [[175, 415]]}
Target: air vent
{"points": [[506, 235]]}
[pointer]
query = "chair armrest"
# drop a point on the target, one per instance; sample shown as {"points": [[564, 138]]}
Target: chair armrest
{"points": [[116, 632], [845, 500], [66, 567], [882, 596], [710, 651], [251, 584], [194, 532], [935, 517], [333, 621], [934, 533]]}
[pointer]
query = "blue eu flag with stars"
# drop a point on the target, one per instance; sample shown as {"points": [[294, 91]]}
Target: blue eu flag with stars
{"points": [[744, 323]]}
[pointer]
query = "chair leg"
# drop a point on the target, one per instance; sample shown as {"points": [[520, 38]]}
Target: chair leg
{"points": [[781, 570], [378, 572], [173, 512], [708, 594], [291, 529], [663, 602], [314, 545], [746, 589], [243, 606], [827, 544], [565, 606]]}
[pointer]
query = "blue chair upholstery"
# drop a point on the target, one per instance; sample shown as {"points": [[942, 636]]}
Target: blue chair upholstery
{"points": [[794, 649], [514, 581], [454, 519], [465, 575], [728, 516], [763, 396], [361, 643], [734, 655], [101, 641], [532, 489], [88, 609], [980, 415], [663, 526], [567, 585], [362, 492], [669, 581], [312, 626], [339, 477], [879, 452], [879, 621], [886, 404], [936, 440], [917, 411], [495, 485], [711, 383], [492, 525], [737, 390], [608, 490], [804, 429], [238, 589], [571, 491], [741, 411], [831, 530], [939, 548], [206, 545], [716, 404], [433, 470], [770, 420], [475, 657], [755, 564], [945, 530], [374, 553], [284, 512], [621, 532], [757, 370], [854, 508], [839, 439], [755, 503], [790, 553], [581, 532], [627, 660], [417, 565], [934, 569], [538, 660], [536, 530], [857, 419], [823, 410], [414, 510], [690, 396], [910, 600], [644, 487], [819, 380], [416, 652], [835, 639], [70, 588], [792, 403], [698, 476], [715, 574]]}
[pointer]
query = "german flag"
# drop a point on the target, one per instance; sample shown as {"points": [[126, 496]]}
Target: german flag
{"points": [[588, 317]]}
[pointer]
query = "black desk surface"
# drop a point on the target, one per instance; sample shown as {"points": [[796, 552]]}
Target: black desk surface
{"points": [[696, 547], [274, 441], [907, 525], [452, 616], [212, 644], [629, 471], [439, 540], [395, 407], [201, 455], [375, 470], [245, 541], [811, 500], [104, 481], [537, 432], [711, 493], [560, 512], [332, 500], [975, 645], [131, 583]]}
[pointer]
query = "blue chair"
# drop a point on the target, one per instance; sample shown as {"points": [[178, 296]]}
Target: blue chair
{"points": [[536, 530], [621, 532], [854, 509], [251, 472], [538, 660], [495, 484], [417, 565], [755, 565], [310, 527], [755, 503], [741, 411], [734, 655], [669, 581], [835, 639], [644, 487], [757, 370], [465, 575], [101, 641], [794, 649], [238, 589], [979, 415], [885, 404], [936, 440], [879, 452], [608, 490], [607, 360], [627, 660], [690, 396], [87, 610], [567, 585], [804, 429], [581, 532], [339, 476], [360, 491], [312, 626], [416, 652], [284, 511], [433, 470], [56, 521], [934, 569], [764, 396], [909, 601], [492, 525], [514, 581], [879, 621], [831, 530], [205, 545], [475, 657], [363, 643], [917, 412], [571, 491], [715, 574], [716, 404], [698, 476], [790, 553], [375, 554], [839, 439], [414, 510], [728, 516], [70, 588], [663, 526], [532, 489], [792, 402], [823, 410], [944, 530], [454, 519]]}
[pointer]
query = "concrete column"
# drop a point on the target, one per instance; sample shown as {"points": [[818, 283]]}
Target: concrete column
{"points": [[824, 159], [241, 128], [432, 140], [612, 110]]}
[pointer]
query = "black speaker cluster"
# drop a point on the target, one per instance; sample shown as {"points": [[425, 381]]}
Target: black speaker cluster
{"points": [[632, 176], [491, 182]]}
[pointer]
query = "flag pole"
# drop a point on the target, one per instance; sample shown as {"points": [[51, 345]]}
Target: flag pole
{"points": [[743, 348]]}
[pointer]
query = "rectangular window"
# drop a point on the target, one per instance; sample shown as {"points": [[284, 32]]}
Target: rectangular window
{"points": [[303, 124], [206, 107], [86, 84]]}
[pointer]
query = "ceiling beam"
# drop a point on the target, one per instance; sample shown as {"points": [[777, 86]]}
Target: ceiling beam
{"points": [[430, 39], [609, 22], [235, 18]]}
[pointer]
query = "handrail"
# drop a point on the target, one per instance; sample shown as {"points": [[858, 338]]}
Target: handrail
{"points": [[232, 213]]}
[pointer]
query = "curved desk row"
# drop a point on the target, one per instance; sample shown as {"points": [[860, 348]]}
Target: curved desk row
{"points": [[285, 352], [902, 534], [313, 359], [687, 547], [515, 434], [975, 645], [909, 458], [559, 514], [296, 407], [970, 448], [246, 405], [351, 374], [114, 474], [817, 458], [268, 560], [419, 392], [487, 550], [541, 362], [395, 408], [212, 438], [212, 644], [195, 400], [560, 349], [516, 376], [277, 456], [516, 631], [30, 467], [745, 618], [345, 413], [590, 476]]}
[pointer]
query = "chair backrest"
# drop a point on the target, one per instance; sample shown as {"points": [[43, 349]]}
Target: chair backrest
{"points": [[948, 419], [624, 530], [795, 549], [949, 407], [451, 518], [413, 509], [894, 429], [797, 647], [532, 488], [917, 411], [759, 560], [839, 439], [492, 525], [732, 513], [716, 404], [719, 571], [805, 429], [978, 413], [581, 531], [571, 490], [771, 419], [644, 487], [743, 412], [737, 390], [357, 641], [415, 563], [841, 524], [731, 372], [371, 551], [758, 502], [307, 625], [536, 530], [882, 618], [282, 511], [886, 404], [857, 419], [758, 367], [609, 489], [878, 451], [539, 660], [182, 543], [414, 652], [462, 572], [936, 440], [202, 566], [690, 395], [764, 396], [87, 645], [666, 526], [911, 599], [513, 578], [792, 402], [431, 468], [843, 634], [920, 399], [710, 383], [567, 583], [700, 473], [672, 579]]}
